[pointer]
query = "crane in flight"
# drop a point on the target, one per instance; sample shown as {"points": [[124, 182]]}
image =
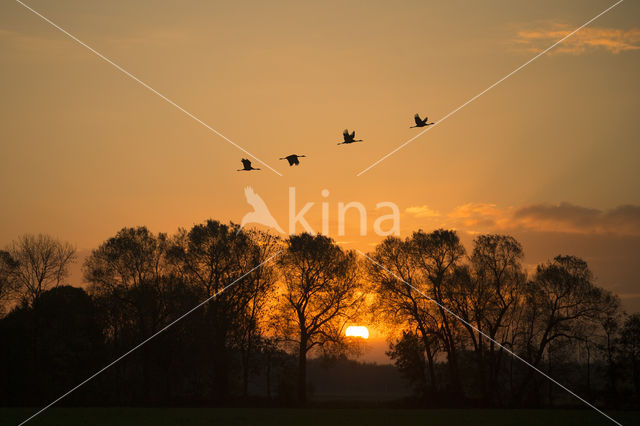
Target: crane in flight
{"points": [[293, 159], [420, 122], [246, 166], [349, 137]]}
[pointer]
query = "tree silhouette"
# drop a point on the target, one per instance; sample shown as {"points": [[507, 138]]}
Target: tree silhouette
{"points": [[254, 340], [497, 280], [558, 303], [128, 276], [7, 267], [398, 304], [320, 295], [49, 346], [630, 352], [408, 354], [42, 263], [437, 254], [209, 257]]}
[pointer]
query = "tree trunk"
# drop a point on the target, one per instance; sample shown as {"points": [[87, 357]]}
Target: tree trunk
{"points": [[245, 376], [427, 349], [589, 395], [302, 373], [432, 373], [246, 366], [268, 374]]}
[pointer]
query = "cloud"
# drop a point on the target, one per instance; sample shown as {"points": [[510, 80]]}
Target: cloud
{"points": [[422, 211], [477, 215], [587, 39], [563, 217]]}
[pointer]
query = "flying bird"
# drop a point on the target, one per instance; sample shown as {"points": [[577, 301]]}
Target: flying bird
{"points": [[420, 122], [349, 137], [246, 166], [293, 159]]}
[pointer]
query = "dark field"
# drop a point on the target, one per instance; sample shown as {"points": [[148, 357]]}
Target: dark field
{"points": [[333, 417]]}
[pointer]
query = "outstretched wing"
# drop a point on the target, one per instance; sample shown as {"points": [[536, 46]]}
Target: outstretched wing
{"points": [[345, 133], [353, 135], [246, 163], [417, 118]]}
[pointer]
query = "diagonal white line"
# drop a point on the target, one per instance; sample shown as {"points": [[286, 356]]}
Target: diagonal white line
{"points": [[133, 77], [513, 354], [489, 88], [88, 379]]}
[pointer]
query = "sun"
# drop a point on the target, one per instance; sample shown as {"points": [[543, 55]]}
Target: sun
{"points": [[357, 331]]}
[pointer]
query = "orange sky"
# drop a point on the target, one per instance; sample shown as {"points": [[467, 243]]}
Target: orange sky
{"points": [[84, 150]]}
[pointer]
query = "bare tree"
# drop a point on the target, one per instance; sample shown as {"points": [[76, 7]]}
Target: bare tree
{"points": [[129, 281], [261, 291], [401, 305], [604, 330], [495, 291], [559, 302], [630, 351], [7, 267], [42, 263], [209, 257], [430, 263], [320, 295], [127, 272], [437, 256]]}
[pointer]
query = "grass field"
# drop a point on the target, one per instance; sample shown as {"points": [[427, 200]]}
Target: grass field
{"points": [[311, 417]]}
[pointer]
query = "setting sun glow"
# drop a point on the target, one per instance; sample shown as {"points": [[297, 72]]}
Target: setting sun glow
{"points": [[357, 331]]}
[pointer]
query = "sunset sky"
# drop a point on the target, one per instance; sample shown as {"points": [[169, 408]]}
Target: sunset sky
{"points": [[549, 156]]}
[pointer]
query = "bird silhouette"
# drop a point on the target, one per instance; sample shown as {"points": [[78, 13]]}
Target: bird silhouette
{"points": [[246, 166], [420, 122], [293, 159], [349, 137], [260, 213]]}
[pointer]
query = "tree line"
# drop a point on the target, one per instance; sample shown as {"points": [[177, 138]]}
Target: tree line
{"points": [[258, 307]]}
